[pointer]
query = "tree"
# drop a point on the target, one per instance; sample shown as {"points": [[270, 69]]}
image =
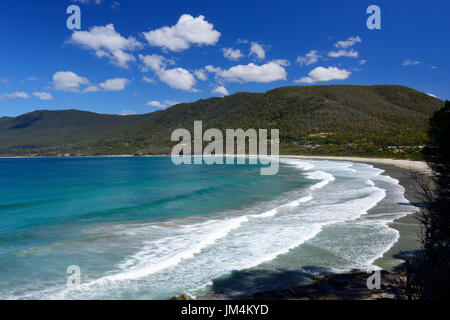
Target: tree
{"points": [[430, 273]]}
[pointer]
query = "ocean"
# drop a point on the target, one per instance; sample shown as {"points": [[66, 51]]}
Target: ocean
{"points": [[143, 228]]}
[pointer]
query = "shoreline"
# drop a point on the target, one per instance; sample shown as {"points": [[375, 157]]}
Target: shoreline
{"points": [[407, 226], [414, 165], [351, 285]]}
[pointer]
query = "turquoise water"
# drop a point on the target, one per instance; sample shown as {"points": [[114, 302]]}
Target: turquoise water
{"points": [[143, 228]]}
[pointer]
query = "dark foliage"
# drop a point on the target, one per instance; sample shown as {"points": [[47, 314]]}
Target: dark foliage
{"points": [[429, 272]]}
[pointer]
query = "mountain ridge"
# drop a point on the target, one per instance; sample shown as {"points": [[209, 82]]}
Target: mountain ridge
{"points": [[325, 119]]}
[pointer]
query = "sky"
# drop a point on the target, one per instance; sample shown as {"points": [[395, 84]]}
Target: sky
{"points": [[134, 57]]}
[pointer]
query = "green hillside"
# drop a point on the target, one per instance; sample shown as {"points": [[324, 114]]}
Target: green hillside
{"points": [[386, 121]]}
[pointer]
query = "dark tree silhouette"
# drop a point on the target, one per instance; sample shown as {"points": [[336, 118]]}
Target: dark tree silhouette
{"points": [[429, 273]]}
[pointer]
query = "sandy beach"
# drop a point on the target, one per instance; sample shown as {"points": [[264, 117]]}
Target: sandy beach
{"points": [[408, 226], [403, 164]]}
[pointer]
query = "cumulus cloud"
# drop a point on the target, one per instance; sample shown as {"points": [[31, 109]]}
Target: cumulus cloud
{"points": [[148, 80], [257, 51], [410, 62], [43, 95], [71, 82], [68, 81], [201, 74], [177, 78], [221, 90], [271, 71], [321, 74], [153, 62], [117, 84], [188, 31], [106, 42], [310, 58], [232, 54], [282, 62], [165, 104], [343, 53], [350, 42], [14, 95]]}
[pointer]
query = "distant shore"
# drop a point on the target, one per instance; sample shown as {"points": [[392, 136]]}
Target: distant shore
{"points": [[404, 164]]}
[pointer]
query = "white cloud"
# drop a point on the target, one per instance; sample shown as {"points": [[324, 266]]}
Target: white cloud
{"points": [[362, 62], [258, 51], [431, 95], [154, 62], [310, 58], [148, 80], [232, 54], [156, 104], [91, 89], [127, 113], [410, 62], [177, 78], [165, 104], [68, 81], [282, 62], [43, 95], [201, 74], [221, 90], [433, 67], [186, 32], [320, 74], [14, 95], [107, 42], [117, 84], [242, 41], [271, 71], [350, 42], [343, 53]]}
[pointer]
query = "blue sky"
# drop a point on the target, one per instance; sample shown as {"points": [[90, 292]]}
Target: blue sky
{"points": [[139, 56]]}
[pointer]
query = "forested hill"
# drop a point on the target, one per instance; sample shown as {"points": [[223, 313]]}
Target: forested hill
{"points": [[339, 120]]}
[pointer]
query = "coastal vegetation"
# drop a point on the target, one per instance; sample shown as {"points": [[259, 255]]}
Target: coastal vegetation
{"points": [[428, 272], [374, 121]]}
